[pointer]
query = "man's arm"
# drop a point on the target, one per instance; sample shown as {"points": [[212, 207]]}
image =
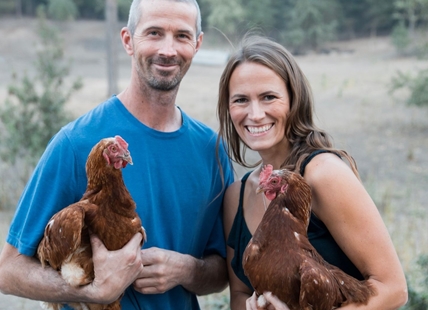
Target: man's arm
{"points": [[209, 275], [164, 269], [24, 276]]}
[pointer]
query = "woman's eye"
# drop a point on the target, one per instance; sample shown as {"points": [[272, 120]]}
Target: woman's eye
{"points": [[240, 100]]}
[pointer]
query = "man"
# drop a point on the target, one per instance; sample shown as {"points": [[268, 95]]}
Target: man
{"points": [[175, 181]]}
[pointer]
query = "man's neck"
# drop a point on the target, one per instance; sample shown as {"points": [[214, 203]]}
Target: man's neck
{"points": [[155, 109]]}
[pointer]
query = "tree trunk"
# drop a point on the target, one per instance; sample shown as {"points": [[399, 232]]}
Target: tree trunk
{"points": [[373, 28], [18, 8], [412, 21], [112, 33]]}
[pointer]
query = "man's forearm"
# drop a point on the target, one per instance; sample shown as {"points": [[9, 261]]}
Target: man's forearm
{"points": [[208, 275], [114, 271], [25, 277]]}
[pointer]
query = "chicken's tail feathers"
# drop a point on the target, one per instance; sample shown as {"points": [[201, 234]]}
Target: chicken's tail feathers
{"points": [[353, 290]]}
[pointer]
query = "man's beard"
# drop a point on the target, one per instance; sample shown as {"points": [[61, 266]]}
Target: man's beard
{"points": [[167, 80]]}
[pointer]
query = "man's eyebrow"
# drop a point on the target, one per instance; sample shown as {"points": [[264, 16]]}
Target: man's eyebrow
{"points": [[150, 28], [186, 31]]}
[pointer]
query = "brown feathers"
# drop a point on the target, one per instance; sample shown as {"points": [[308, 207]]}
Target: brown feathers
{"points": [[280, 259], [106, 210]]}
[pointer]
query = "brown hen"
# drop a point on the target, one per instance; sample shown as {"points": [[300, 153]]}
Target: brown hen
{"points": [[280, 259], [106, 210]]}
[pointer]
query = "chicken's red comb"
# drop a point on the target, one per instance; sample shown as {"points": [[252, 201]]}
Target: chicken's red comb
{"points": [[121, 142], [266, 172]]}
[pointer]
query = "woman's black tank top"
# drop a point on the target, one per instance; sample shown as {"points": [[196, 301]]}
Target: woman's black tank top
{"points": [[318, 235]]}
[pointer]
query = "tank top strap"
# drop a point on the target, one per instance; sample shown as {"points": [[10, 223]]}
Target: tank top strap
{"points": [[241, 193], [311, 156]]}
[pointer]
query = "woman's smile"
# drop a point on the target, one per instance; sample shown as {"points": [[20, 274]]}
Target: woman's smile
{"points": [[258, 130]]}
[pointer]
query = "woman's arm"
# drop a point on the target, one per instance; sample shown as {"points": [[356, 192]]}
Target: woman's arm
{"points": [[342, 203]]}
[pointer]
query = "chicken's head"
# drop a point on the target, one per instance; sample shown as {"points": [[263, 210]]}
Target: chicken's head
{"points": [[116, 152], [290, 187], [273, 182]]}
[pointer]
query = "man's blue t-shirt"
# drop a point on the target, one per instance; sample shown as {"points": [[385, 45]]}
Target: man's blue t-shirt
{"points": [[175, 182]]}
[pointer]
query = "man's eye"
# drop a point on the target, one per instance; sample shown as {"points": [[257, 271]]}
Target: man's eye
{"points": [[270, 97]]}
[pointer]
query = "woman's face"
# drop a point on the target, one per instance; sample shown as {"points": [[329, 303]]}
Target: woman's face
{"points": [[258, 105]]}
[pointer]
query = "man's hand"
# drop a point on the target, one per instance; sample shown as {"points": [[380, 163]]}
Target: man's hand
{"points": [[114, 270], [165, 269]]}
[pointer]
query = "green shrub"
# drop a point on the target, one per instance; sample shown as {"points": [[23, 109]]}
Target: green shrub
{"points": [[35, 107], [400, 38], [62, 10], [418, 288], [417, 85]]}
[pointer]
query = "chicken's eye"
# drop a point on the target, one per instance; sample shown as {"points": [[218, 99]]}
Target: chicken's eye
{"points": [[113, 149]]}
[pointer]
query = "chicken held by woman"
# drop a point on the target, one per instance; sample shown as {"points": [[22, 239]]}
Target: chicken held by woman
{"points": [[280, 259]]}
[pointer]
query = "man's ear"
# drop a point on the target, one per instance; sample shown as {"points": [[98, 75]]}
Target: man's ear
{"points": [[199, 42], [126, 37]]}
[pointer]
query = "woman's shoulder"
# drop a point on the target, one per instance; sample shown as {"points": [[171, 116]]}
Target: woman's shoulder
{"points": [[325, 166], [233, 188], [334, 188]]}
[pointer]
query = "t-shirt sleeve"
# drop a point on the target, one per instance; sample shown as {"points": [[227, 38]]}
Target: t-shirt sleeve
{"points": [[217, 243], [49, 189]]}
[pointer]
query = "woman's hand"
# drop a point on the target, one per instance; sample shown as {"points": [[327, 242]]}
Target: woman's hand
{"points": [[266, 301]]}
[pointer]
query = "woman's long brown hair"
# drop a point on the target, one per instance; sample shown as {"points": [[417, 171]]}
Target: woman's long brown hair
{"points": [[301, 132]]}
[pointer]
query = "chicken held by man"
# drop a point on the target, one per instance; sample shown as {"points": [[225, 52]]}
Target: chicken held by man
{"points": [[106, 210]]}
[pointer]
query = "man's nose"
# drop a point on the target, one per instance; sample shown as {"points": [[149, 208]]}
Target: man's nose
{"points": [[168, 48]]}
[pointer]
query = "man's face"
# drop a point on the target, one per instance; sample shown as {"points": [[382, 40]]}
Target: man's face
{"points": [[164, 43]]}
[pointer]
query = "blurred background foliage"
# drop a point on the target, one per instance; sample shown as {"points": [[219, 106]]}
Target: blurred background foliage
{"points": [[301, 24], [35, 107]]}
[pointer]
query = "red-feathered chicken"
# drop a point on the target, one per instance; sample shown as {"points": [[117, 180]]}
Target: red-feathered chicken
{"points": [[280, 259], [106, 210]]}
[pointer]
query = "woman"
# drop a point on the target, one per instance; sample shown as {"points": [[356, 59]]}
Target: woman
{"points": [[265, 104]]}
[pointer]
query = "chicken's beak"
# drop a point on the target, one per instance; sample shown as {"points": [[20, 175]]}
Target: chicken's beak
{"points": [[127, 157], [259, 189]]}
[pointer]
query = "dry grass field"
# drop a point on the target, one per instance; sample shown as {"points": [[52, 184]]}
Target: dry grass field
{"points": [[388, 139]]}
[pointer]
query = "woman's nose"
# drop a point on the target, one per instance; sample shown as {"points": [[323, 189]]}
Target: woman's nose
{"points": [[256, 111]]}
